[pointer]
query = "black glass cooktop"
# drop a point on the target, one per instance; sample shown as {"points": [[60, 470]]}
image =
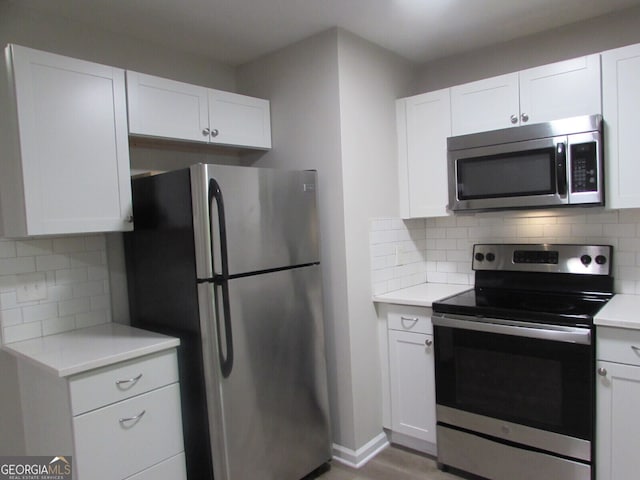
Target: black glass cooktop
{"points": [[544, 307]]}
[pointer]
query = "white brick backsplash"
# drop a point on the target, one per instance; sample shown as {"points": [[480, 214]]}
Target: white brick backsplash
{"points": [[7, 249], [39, 312], [51, 262], [442, 247], [77, 278], [10, 266]]}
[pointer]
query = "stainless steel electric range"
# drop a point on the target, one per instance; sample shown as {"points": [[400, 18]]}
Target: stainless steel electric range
{"points": [[515, 361]]}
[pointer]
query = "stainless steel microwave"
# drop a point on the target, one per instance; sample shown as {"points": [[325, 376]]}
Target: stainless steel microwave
{"points": [[543, 165]]}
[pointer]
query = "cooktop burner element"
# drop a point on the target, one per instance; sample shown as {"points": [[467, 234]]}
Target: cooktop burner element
{"points": [[562, 284]]}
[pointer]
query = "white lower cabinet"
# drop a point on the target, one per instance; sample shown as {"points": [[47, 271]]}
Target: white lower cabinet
{"points": [[411, 377], [118, 422], [617, 398]]}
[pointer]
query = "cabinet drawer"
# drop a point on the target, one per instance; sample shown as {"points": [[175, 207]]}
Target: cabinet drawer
{"points": [[619, 345], [410, 319], [110, 443], [171, 469], [107, 385]]}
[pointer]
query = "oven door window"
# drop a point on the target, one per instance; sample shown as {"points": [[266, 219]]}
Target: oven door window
{"points": [[525, 173], [539, 383]]}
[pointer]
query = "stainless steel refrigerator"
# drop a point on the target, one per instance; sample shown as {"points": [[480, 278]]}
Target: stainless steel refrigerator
{"points": [[226, 258]]}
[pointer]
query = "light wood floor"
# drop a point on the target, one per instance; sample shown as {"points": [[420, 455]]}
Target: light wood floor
{"points": [[391, 464]]}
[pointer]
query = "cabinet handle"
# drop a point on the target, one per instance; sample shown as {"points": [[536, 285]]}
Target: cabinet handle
{"points": [[514, 119], [129, 380], [428, 342], [635, 349], [214, 132], [413, 321], [524, 117], [130, 219], [135, 418], [205, 132], [602, 372]]}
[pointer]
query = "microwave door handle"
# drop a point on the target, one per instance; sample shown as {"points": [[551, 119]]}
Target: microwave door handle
{"points": [[561, 168]]}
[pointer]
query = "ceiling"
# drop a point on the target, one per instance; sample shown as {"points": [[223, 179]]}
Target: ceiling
{"points": [[238, 31]]}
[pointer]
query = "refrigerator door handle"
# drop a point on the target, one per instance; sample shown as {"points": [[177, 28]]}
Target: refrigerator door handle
{"points": [[221, 280]]}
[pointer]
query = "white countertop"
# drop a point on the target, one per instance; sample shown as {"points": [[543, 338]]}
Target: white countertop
{"points": [[84, 349], [621, 311], [422, 295]]}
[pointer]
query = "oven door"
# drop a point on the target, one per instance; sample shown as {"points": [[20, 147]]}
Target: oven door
{"points": [[537, 376]]}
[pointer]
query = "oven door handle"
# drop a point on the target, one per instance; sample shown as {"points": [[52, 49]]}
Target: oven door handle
{"points": [[554, 333]]}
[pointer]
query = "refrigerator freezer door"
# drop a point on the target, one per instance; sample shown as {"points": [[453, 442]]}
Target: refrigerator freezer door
{"points": [[270, 217], [274, 402]]}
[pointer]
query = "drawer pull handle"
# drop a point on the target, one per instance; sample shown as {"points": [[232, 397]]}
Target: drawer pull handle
{"points": [[635, 349], [135, 418], [413, 321], [128, 381]]}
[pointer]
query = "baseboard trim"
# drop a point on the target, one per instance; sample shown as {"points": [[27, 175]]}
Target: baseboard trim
{"points": [[358, 458]]}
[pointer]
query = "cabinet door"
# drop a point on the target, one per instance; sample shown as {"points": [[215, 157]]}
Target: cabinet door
{"points": [[412, 378], [71, 170], [560, 90], [617, 421], [159, 107], [485, 105], [239, 120], [620, 107], [424, 123]]}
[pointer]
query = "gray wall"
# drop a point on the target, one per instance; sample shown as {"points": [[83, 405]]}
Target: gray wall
{"points": [[333, 109], [591, 36]]}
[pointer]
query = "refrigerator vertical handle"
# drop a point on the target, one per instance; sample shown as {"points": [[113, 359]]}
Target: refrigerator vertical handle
{"points": [[221, 280]]}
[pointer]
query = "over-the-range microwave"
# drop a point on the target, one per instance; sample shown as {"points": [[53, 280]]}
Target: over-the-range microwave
{"points": [[558, 163]]}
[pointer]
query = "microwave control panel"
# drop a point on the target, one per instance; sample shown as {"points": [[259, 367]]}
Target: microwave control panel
{"points": [[584, 167]]}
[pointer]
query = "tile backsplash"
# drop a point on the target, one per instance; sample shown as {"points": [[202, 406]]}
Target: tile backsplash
{"points": [[69, 275], [409, 252]]}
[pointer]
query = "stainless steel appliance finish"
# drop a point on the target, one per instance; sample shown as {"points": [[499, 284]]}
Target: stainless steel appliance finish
{"points": [[501, 461], [227, 259], [555, 333], [551, 164], [515, 362]]}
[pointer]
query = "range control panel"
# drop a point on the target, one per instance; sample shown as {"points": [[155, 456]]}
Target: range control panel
{"points": [[545, 257]]}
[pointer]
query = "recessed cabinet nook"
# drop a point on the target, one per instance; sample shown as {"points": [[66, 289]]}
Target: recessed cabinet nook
{"points": [[600, 83], [65, 147]]}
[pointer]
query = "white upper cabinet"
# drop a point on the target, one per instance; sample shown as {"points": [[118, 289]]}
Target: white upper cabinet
{"points": [[424, 123], [65, 151], [620, 107], [484, 105], [164, 108], [559, 90]]}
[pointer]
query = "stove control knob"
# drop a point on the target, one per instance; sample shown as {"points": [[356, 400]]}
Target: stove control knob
{"points": [[490, 257], [479, 257], [585, 259], [601, 259]]}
